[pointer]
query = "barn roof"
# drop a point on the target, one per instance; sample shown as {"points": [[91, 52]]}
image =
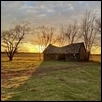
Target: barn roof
{"points": [[68, 49]]}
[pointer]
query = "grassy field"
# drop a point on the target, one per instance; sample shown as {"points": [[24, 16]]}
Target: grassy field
{"points": [[96, 58], [27, 79]]}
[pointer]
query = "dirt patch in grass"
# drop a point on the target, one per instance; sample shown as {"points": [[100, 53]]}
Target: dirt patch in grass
{"points": [[13, 79], [11, 74], [16, 73]]}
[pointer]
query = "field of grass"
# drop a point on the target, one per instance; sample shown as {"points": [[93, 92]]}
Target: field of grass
{"points": [[96, 58], [25, 79]]}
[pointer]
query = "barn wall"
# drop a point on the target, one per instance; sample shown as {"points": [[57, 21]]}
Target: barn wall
{"points": [[54, 57], [61, 56], [45, 57], [50, 57], [72, 57], [82, 54]]}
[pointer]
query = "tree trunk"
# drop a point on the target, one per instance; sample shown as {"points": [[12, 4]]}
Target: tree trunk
{"points": [[10, 58], [87, 56]]}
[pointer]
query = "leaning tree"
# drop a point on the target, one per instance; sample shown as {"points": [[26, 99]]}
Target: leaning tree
{"points": [[12, 38]]}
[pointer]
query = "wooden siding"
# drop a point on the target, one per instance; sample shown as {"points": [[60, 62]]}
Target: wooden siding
{"points": [[72, 57], [82, 54], [50, 57], [73, 52]]}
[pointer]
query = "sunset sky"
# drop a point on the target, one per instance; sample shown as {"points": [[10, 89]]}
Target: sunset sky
{"points": [[50, 13]]}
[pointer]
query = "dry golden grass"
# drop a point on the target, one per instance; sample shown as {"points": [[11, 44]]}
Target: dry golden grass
{"points": [[96, 58], [15, 73]]}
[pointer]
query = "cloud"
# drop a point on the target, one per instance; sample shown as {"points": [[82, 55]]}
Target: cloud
{"points": [[44, 12]]}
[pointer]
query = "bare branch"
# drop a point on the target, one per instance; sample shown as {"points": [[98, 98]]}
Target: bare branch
{"points": [[12, 38], [69, 33], [88, 31], [44, 36]]}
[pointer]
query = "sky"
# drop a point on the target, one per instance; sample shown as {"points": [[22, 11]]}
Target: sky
{"points": [[50, 13]]}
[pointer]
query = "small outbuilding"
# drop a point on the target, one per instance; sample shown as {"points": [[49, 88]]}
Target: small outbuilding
{"points": [[72, 52]]}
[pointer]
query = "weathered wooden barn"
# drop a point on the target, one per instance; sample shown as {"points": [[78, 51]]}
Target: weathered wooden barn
{"points": [[72, 52]]}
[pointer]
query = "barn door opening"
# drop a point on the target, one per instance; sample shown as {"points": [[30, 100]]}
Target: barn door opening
{"points": [[61, 57]]}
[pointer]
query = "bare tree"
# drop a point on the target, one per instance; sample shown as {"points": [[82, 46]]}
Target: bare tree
{"points": [[62, 36], [44, 36], [12, 38], [88, 31], [98, 24], [70, 33]]}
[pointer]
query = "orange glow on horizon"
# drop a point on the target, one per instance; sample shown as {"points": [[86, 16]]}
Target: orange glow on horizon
{"points": [[31, 48], [28, 47], [96, 50]]}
